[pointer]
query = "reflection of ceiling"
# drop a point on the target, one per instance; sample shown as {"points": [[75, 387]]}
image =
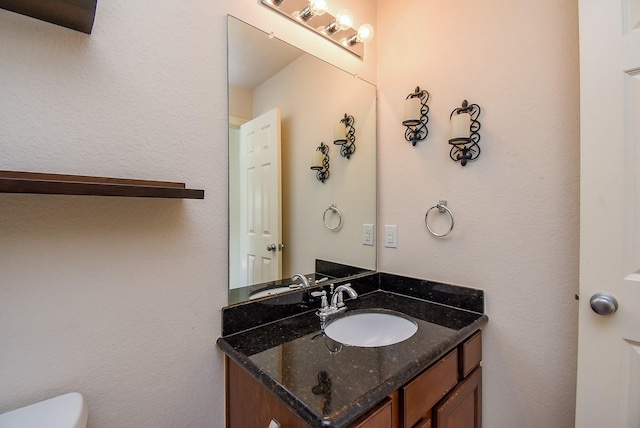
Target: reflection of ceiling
{"points": [[252, 59]]}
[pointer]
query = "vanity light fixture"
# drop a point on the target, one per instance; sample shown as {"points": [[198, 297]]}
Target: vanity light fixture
{"points": [[364, 34], [344, 135], [314, 8], [343, 21], [464, 133], [314, 15], [416, 116], [320, 162]]}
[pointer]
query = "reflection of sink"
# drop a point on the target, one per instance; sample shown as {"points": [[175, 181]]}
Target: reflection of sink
{"points": [[371, 328], [268, 292]]}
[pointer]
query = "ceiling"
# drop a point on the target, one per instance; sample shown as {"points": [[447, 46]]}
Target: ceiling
{"points": [[253, 58]]}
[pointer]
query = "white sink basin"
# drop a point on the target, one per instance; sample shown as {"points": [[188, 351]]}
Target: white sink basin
{"points": [[371, 328], [269, 292]]}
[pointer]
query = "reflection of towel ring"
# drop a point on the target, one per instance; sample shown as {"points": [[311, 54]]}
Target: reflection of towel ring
{"points": [[334, 210], [442, 207]]}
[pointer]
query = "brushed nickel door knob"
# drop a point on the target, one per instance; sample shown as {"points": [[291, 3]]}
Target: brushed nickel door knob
{"points": [[603, 303]]}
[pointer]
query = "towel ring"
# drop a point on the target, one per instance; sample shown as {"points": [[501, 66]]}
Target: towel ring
{"points": [[442, 207], [334, 210]]}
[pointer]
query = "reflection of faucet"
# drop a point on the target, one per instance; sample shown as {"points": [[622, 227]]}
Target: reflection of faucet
{"points": [[337, 303], [305, 281]]}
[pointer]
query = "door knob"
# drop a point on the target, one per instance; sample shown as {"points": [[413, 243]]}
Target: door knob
{"points": [[603, 303], [271, 247]]}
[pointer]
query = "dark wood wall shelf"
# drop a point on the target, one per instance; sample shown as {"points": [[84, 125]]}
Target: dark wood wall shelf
{"points": [[75, 14], [59, 184]]}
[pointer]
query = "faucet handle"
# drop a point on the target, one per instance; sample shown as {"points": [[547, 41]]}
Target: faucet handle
{"points": [[324, 302], [340, 300]]}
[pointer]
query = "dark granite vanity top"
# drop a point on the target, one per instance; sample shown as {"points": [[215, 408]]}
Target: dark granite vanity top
{"points": [[290, 355]]}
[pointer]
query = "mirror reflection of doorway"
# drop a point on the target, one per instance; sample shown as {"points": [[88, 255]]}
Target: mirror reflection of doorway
{"points": [[259, 201]]}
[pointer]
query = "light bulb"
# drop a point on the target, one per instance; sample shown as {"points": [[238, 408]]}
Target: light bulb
{"points": [[365, 33], [314, 8], [344, 20], [318, 7]]}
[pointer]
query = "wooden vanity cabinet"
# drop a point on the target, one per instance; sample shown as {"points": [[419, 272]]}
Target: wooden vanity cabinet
{"points": [[249, 404], [463, 407], [381, 416], [421, 394], [448, 394]]}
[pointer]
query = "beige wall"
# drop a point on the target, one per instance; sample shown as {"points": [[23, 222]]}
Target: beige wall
{"points": [[516, 207], [119, 298]]}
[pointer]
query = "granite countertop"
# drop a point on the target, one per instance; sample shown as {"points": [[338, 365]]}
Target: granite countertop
{"points": [[292, 355]]}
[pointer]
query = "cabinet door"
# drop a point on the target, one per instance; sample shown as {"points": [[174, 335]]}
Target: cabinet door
{"points": [[250, 405], [422, 393], [463, 407]]}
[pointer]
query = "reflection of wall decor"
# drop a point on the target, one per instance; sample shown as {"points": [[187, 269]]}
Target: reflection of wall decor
{"points": [[314, 15], [464, 133], [344, 135], [320, 162], [324, 388], [416, 116]]}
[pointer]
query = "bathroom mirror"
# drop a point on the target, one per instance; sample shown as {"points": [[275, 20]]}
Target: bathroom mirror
{"points": [[283, 103]]}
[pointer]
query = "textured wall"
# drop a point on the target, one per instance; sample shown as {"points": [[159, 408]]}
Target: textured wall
{"points": [[119, 298], [516, 207], [115, 298]]}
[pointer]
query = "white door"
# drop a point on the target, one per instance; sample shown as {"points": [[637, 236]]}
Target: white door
{"points": [[260, 199], [608, 387]]}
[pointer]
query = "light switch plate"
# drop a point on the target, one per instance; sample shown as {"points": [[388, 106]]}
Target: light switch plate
{"points": [[391, 236], [368, 235]]}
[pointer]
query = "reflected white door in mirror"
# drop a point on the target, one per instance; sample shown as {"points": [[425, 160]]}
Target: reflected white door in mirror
{"points": [[312, 95]]}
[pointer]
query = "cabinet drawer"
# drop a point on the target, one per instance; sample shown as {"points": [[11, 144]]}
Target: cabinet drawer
{"points": [[424, 423], [471, 354], [463, 406], [380, 417], [422, 393]]}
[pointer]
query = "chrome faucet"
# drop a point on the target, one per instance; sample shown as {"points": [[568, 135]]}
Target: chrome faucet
{"points": [[337, 303], [337, 299], [302, 278]]}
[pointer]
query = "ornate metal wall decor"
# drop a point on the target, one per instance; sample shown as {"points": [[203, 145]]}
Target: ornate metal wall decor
{"points": [[416, 116], [464, 133], [322, 167], [347, 142]]}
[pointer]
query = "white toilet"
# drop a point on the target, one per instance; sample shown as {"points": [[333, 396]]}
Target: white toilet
{"points": [[65, 411]]}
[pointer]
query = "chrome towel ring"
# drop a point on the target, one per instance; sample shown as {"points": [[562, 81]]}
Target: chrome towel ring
{"points": [[334, 210], [442, 207]]}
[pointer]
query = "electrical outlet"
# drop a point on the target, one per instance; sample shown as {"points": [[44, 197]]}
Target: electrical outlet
{"points": [[391, 236], [368, 236]]}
